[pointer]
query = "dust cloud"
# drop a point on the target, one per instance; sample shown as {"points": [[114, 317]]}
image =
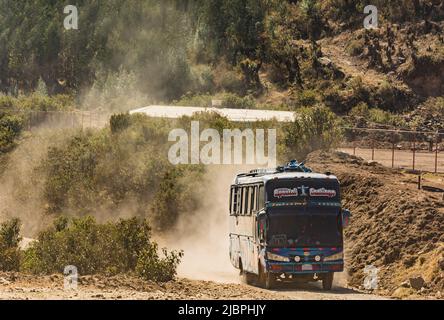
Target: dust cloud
{"points": [[204, 235], [22, 185]]}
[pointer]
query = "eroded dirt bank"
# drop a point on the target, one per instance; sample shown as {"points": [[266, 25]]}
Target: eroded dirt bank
{"points": [[395, 227]]}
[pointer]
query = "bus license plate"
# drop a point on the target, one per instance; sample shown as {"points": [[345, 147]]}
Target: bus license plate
{"points": [[307, 267]]}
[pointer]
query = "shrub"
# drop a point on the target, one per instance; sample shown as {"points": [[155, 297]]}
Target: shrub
{"points": [[10, 128], [384, 117], [307, 98], [334, 100], [203, 78], [9, 245], [194, 100], [36, 102], [387, 96], [360, 111], [98, 171], [111, 248], [355, 47], [119, 122], [359, 89], [230, 81], [230, 100], [314, 129], [151, 266]]}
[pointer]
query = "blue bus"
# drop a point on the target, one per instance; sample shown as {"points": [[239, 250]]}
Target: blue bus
{"points": [[286, 225]]}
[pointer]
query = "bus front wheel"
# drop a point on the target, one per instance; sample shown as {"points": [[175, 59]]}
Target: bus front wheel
{"points": [[327, 281], [248, 278], [267, 280]]}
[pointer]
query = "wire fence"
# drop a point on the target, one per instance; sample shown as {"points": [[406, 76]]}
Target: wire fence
{"points": [[403, 149], [33, 119]]}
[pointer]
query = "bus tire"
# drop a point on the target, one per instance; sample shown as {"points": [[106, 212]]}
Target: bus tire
{"points": [[327, 281], [267, 280], [248, 278]]}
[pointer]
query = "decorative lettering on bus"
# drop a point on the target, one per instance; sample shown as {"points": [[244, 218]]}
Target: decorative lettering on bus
{"points": [[285, 192], [301, 191], [322, 192]]}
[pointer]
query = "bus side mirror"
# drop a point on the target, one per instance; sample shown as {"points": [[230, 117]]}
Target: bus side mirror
{"points": [[346, 215]]}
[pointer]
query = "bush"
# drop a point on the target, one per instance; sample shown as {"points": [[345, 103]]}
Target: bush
{"points": [[230, 100], [9, 245], [307, 98], [355, 47], [36, 102], [384, 117], [93, 248], [119, 122], [359, 89], [387, 96], [230, 81], [192, 100], [360, 111], [151, 266], [101, 171], [333, 99], [314, 129], [10, 129]]}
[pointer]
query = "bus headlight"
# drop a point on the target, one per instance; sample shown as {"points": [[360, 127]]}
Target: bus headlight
{"points": [[334, 257], [276, 257]]}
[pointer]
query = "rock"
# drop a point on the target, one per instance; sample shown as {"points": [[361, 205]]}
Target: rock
{"points": [[405, 284], [409, 260], [416, 282], [402, 293], [441, 264], [325, 61], [5, 282]]}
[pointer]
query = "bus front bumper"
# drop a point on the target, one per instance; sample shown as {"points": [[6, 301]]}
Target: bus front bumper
{"points": [[304, 268]]}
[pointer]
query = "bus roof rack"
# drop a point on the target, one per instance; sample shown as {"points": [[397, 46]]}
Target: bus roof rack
{"points": [[294, 166], [257, 172]]}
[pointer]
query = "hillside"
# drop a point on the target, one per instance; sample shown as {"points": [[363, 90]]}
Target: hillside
{"points": [[266, 54], [395, 227]]}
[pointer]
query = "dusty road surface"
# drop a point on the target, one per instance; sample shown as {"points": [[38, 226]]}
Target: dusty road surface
{"points": [[19, 286]]}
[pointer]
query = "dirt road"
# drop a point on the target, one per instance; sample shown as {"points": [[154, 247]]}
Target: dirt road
{"points": [[25, 287]]}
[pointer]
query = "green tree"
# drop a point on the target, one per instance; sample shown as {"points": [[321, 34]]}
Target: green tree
{"points": [[315, 128]]}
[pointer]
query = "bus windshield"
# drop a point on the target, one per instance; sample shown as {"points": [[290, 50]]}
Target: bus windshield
{"points": [[290, 230]]}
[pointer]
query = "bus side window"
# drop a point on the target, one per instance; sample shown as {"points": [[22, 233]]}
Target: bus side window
{"points": [[233, 201], [245, 204], [239, 197], [256, 199], [252, 199], [250, 195], [261, 198]]}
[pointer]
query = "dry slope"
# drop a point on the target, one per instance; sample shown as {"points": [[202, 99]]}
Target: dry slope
{"points": [[394, 226]]}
